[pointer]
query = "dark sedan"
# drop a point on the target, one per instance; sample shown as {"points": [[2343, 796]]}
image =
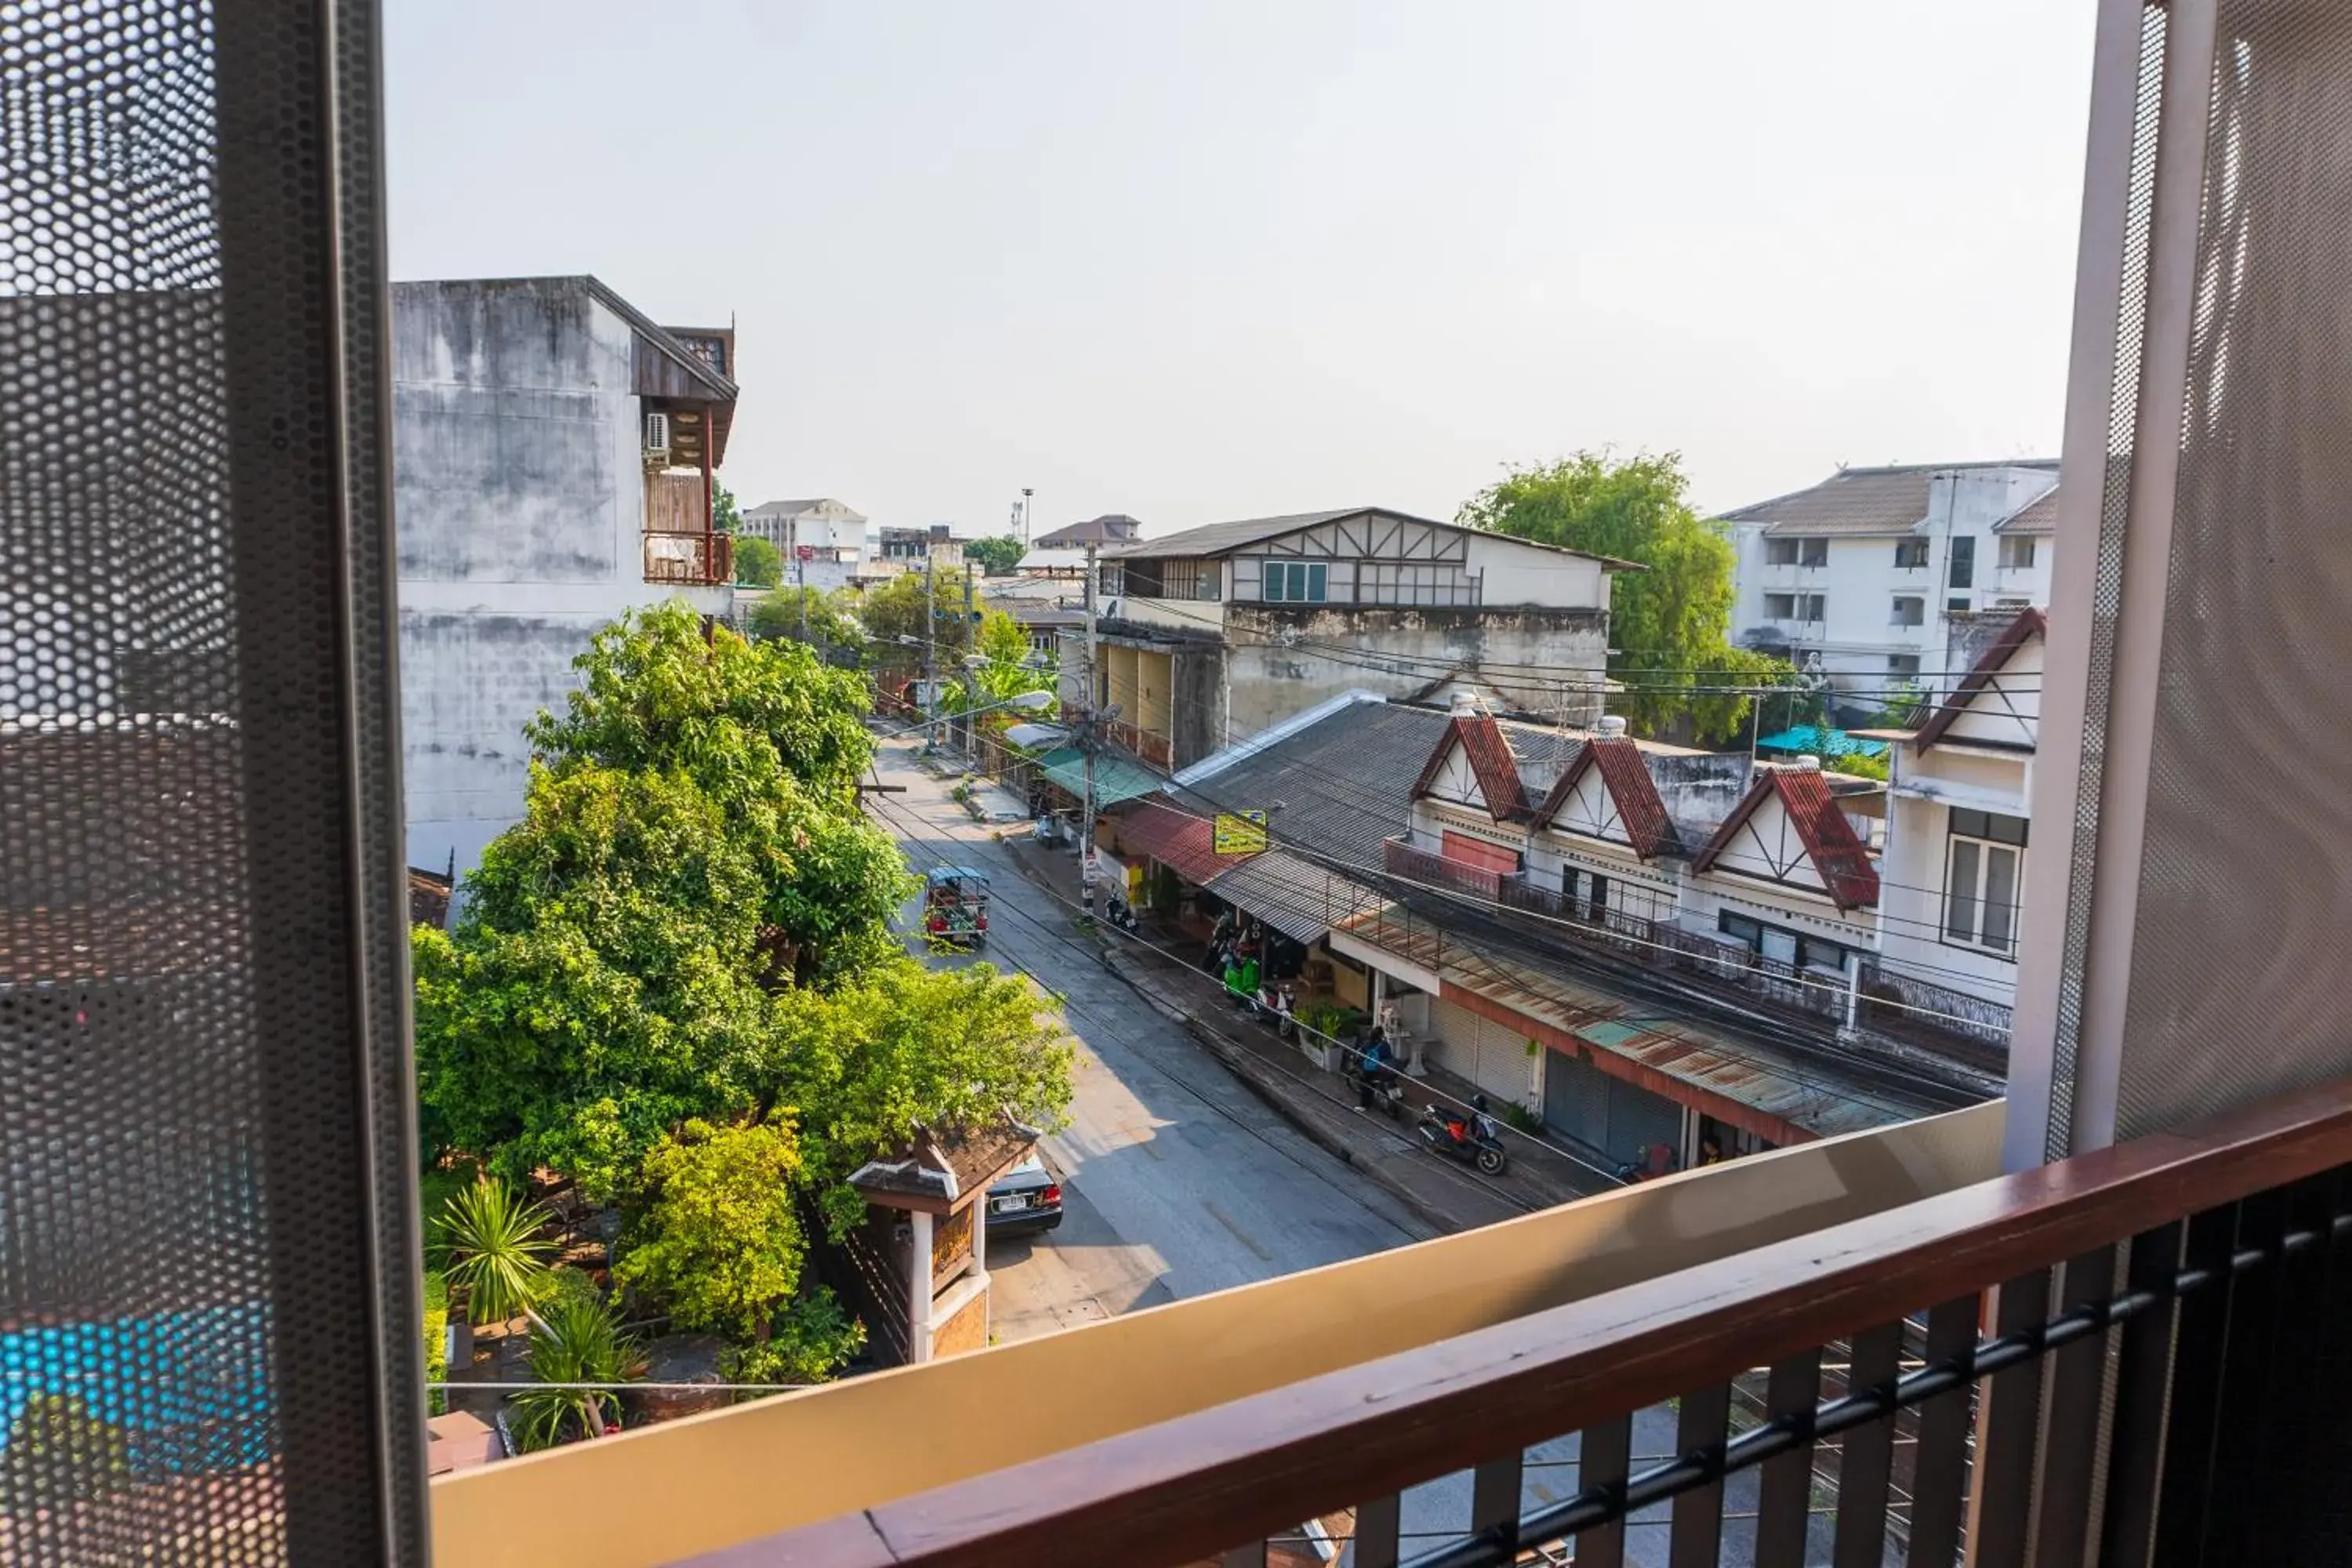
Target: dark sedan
{"points": [[1026, 1197]]}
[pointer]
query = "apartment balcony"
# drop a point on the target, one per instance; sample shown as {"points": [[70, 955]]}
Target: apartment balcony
{"points": [[690, 560], [1908, 1366], [1401, 857]]}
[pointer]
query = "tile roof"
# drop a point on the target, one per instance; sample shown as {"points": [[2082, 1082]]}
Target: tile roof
{"points": [[1861, 501], [948, 1165], [1829, 839], [1492, 762], [1639, 808], [2037, 516], [2029, 624]]}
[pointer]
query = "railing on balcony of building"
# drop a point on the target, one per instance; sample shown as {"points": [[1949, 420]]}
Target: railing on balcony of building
{"points": [[1149, 744], [1402, 857], [692, 560], [2138, 1354], [1879, 999]]}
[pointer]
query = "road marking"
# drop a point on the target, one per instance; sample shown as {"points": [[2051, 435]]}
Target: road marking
{"points": [[1245, 1238]]}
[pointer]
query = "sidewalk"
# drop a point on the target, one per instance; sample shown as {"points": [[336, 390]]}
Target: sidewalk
{"points": [[1445, 1195]]}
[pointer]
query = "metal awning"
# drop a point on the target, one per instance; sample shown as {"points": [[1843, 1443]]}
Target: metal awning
{"points": [[1177, 839], [1116, 778], [1030, 737], [1297, 896]]}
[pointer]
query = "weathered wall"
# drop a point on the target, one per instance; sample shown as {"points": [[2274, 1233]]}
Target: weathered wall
{"points": [[1197, 704], [1283, 660], [519, 499]]}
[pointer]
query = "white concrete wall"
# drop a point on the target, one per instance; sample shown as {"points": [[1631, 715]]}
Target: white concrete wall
{"points": [[1542, 661], [1515, 573], [520, 499], [1927, 787]]}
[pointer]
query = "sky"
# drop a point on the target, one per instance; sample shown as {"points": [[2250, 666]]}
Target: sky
{"points": [[1227, 259]]}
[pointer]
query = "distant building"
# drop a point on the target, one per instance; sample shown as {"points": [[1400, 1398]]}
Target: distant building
{"points": [[829, 529], [1111, 528], [914, 545], [1882, 576], [1212, 635], [554, 451]]}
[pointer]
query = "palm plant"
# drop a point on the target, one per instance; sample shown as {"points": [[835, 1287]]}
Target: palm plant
{"points": [[577, 1340], [496, 1249]]}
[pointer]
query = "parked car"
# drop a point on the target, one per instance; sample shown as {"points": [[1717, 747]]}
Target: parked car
{"points": [[1024, 1198]]}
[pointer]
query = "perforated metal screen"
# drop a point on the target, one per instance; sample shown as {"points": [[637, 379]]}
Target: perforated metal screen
{"points": [[208, 1341], [2237, 984]]}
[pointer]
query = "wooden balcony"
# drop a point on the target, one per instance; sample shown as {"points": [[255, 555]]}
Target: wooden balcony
{"points": [[1920, 1384], [690, 560]]}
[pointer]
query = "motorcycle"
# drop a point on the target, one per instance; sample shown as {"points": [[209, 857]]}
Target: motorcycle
{"points": [[1117, 911], [1379, 1088], [1273, 1006], [1472, 1137]]}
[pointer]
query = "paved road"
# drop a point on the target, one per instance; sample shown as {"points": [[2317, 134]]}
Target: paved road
{"points": [[1176, 1179]]}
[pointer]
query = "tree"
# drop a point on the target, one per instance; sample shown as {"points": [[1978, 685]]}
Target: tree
{"points": [[907, 1047], [720, 1243], [1668, 624], [895, 611], [1012, 668], [724, 517], [496, 1249], [810, 615], [998, 557], [758, 563]]}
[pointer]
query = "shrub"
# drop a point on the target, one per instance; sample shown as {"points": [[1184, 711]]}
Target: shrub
{"points": [[496, 1249], [575, 1341], [437, 1343]]}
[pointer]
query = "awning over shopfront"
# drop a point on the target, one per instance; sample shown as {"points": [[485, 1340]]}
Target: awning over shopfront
{"points": [[1177, 839], [1116, 778], [1297, 896]]}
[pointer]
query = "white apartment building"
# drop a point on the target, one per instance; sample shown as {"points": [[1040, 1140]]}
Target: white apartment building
{"points": [[1877, 576], [831, 529]]}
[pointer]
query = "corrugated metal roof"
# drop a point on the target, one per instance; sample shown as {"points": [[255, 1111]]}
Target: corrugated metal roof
{"points": [[1175, 837], [1221, 538], [1116, 778], [1300, 898], [1811, 1096], [1336, 788]]}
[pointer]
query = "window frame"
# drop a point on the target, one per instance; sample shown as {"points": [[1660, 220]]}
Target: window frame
{"points": [[1780, 552], [2014, 545], [1813, 554], [1960, 568], [1314, 582], [1982, 839], [1919, 603], [1912, 547]]}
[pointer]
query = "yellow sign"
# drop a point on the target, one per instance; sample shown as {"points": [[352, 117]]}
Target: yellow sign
{"points": [[1238, 833]]}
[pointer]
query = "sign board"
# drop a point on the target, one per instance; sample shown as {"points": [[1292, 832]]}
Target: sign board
{"points": [[1238, 833], [950, 1244], [803, 552], [1091, 867]]}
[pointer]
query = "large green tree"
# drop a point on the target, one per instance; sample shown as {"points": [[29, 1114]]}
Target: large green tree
{"points": [[810, 615], [997, 556], [758, 563], [894, 618], [1669, 624]]}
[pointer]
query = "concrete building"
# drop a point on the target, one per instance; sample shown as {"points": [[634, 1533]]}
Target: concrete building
{"points": [[911, 546], [830, 529], [1215, 634], [1878, 577], [553, 452]]}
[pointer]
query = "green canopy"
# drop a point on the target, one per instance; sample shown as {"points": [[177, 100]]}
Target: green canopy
{"points": [[1116, 778]]}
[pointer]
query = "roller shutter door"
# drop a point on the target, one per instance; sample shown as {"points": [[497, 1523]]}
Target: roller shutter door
{"points": [[1490, 1056], [1619, 1118]]}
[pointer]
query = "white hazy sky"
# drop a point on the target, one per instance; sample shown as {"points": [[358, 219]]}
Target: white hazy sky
{"points": [[1217, 259]]}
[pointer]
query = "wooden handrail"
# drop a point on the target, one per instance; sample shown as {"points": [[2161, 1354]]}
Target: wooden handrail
{"points": [[1190, 1487]]}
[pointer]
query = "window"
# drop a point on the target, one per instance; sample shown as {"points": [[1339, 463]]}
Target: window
{"points": [[1779, 552], [1984, 876], [1792, 606], [1813, 552], [1796, 552], [2016, 553], [1294, 583], [1964, 561], [1903, 664], [1958, 602], [1910, 610], [1910, 553]]}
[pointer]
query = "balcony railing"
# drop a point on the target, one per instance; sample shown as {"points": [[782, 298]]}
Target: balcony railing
{"points": [[696, 560], [1403, 858], [1149, 744], [1917, 1383]]}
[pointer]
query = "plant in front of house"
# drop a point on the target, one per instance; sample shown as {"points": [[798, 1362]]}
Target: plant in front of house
{"points": [[496, 1250], [575, 1341]]}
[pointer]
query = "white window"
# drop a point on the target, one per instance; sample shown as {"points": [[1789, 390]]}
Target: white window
{"points": [[1792, 606], [1984, 877], [1779, 552], [2016, 551], [1903, 664], [1910, 553], [1910, 610], [1796, 552], [1294, 583]]}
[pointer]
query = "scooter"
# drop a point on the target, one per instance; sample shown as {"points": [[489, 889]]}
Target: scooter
{"points": [[1380, 1088], [1473, 1138], [1117, 911]]}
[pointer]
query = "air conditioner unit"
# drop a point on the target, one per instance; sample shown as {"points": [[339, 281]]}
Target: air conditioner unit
{"points": [[657, 433]]}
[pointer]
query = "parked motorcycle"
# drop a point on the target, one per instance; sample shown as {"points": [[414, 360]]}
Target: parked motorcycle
{"points": [[1379, 1088], [1470, 1136], [1117, 911]]}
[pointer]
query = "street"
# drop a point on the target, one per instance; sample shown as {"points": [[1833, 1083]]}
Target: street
{"points": [[1176, 1179]]}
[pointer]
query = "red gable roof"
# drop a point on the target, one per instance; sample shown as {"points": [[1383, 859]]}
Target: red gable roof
{"points": [[1491, 763], [1627, 776], [2029, 624], [1829, 839]]}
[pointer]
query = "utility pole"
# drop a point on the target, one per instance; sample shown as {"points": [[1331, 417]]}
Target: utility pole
{"points": [[1026, 493], [971, 643], [1090, 739], [930, 646]]}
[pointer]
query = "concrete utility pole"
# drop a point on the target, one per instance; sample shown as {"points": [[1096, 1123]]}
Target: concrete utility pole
{"points": [[930, 646], [1090, 739], [971, 643], [1026, 493]]}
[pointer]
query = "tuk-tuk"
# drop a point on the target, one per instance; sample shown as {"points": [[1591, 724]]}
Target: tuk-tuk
{"points": [[955, 905]]}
